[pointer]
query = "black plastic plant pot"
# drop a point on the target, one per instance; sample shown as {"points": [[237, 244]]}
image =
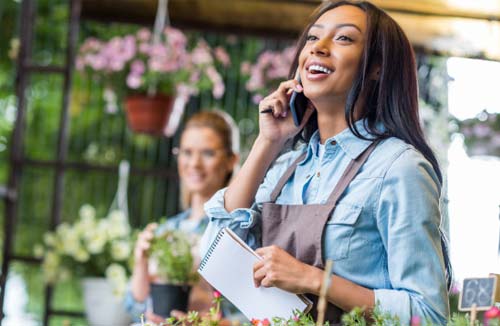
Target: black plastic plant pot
{"points": [[168, 297]]}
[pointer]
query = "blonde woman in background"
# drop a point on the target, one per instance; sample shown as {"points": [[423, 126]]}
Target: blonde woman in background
{"points": [[207, 157]]}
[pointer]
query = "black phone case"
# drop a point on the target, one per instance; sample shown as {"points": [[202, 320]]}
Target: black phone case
{"points": [[298, 106]]}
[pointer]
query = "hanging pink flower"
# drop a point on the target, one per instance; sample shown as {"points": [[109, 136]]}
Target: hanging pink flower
{"points": [[222, 56]]}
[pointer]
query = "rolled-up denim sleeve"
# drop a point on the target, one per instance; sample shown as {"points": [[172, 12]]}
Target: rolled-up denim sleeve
{"points": [[133, 307], [245, 222], [408, 218]]}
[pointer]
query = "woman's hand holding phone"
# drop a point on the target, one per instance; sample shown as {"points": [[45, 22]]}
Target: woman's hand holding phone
{"points": [[275, 121]]}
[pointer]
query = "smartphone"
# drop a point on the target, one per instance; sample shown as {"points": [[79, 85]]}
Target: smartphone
{"points": [[298, 105]]}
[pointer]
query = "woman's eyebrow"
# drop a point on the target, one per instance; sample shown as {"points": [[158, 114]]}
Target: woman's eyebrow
{"points": [[339, 26]]}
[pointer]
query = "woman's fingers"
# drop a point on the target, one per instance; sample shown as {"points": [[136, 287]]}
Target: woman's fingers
{"points": [[278, 100], [178, 314], [258, 273], [144, 240], [150, 316]]}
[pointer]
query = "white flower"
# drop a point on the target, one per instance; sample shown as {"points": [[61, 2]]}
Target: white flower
{"points": [[120, 250], [118, 225], [87, 212], [50, 266], [117, 216], [85, 224], [49, 239], [70, 240], [96, 240], [116, 273], [38, 251], [81, 255], [117, 277]]}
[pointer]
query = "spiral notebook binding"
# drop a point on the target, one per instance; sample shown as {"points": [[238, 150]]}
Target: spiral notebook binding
{"points": [[211, 250]]}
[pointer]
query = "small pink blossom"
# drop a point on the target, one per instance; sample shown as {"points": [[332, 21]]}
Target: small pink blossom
{"points": [[245, 67], [493, 312], [415, 321], [144, 48], [216, 294], [257, 98], [265, 322], [137, 67], [134, 81], [201, 54], [222, 56], [143, 35]]}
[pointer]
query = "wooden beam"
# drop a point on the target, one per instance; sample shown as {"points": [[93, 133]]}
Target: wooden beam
{"points": [[433, 25], [276, 18]]}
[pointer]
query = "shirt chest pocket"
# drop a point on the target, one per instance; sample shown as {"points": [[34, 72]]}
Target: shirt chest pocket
{"points": [[339, 230]]}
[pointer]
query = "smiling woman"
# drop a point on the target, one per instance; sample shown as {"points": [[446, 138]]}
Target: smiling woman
{"points": [[207, 156], [360, 187]]}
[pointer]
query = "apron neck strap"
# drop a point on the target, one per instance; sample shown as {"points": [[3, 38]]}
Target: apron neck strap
{"points": [[350, 172], [284, 178]]}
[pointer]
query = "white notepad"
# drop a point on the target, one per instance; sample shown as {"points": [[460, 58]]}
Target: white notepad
{"points": [[228, 267]]}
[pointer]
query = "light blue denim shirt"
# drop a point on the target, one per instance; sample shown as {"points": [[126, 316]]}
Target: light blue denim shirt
{"points": [[385, 231]]}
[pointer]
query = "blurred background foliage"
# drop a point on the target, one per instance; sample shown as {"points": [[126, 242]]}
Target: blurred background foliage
{"points": [[101, 139]]}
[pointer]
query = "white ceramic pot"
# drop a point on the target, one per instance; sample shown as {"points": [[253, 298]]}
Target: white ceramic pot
{"points": [[102, 308]]}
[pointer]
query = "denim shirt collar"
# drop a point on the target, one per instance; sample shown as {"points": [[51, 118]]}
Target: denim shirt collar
{"points": [[348, 142]]}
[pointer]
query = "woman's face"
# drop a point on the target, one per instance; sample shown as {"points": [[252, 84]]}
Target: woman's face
{"points": [[331, 56], [203, 162]]}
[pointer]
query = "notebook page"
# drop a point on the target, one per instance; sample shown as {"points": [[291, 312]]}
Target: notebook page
{"points": [[229, 269]]}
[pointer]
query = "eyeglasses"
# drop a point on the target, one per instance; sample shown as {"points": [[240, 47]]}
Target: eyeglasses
{"points": [[205, 154]]}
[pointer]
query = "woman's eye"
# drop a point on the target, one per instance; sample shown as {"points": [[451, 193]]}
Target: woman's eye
{"points": [[311, 37], [208, 153], [344, 38], [185, 152]]}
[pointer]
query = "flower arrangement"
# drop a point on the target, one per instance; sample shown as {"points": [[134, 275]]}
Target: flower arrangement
{"points": [[271, 68], [139, 64], [171, 257], [355, 317], [90, 247], [482, 134]]}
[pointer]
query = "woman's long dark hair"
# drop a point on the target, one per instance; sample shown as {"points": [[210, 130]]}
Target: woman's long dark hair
{"points": [[392, 99]]}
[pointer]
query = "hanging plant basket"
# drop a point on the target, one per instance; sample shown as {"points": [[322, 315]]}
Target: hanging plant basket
{"points": [[148, 114]]}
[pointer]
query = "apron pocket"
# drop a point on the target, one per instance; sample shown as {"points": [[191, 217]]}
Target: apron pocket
{"points": [[338, 231]]}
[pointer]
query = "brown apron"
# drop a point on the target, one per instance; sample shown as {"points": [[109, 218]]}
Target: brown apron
{"points": [[291, 227]]}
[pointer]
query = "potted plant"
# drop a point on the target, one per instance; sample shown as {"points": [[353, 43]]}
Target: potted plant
{"points": [[152, 73], [96, 251], [267, 72], [171, 266]]}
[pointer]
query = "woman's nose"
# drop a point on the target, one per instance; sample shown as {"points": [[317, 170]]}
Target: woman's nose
{"points": [[196, 159], [320, 47]]}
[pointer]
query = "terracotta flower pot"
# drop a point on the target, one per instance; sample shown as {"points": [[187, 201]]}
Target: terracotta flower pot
{"points": [[148, 114]]}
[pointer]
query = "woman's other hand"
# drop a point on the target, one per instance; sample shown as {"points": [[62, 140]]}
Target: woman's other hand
{"points": [[277, 124], [154, 318], [144, 242], [278, 268]]}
